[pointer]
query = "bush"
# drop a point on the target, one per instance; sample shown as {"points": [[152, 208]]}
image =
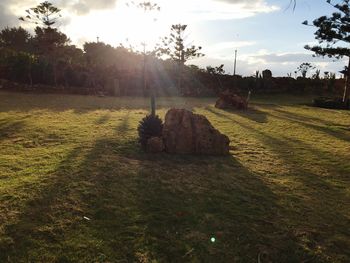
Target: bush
{"points": [[150, 126], [331, 103]]}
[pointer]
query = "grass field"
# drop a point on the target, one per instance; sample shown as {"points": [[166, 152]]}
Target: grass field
{"points": [[283, 195]]}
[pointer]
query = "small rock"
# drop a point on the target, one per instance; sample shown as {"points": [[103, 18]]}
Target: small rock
{"points": [[155, 145]]}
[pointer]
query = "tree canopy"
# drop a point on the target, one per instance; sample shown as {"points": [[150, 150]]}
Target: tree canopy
{"points": [[44, 14], [333, 35], [16, 37], [333, 32], [176, 48]]}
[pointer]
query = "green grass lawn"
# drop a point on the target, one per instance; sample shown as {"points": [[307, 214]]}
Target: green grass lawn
{"points": [[283, 195]]}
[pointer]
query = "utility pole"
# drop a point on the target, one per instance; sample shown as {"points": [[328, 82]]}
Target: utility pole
{"points": [[144, 69], [235, 64]]}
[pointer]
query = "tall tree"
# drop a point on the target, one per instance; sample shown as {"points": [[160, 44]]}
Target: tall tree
{"points": [[48, 39], [333, 34], [45, 14], [175, 47]]}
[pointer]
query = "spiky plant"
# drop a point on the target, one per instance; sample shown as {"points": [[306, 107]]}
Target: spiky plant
{"points": [[150, 126]]}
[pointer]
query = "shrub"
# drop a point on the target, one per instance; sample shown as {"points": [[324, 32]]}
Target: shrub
{"points": [[331, 103], [150, 126]]}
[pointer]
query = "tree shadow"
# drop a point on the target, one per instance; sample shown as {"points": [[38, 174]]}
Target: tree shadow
{"points": [[103, 119], [334, 132], [266, 105], [322, 206], [306, 118], [318, 205], [189, 201], [41, 220], [124, 123], [9, 128], [139, 206], [252, 114], [168, 208]]}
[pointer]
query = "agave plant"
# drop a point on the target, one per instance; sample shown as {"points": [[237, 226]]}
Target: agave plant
{"points": [[150, 126]]}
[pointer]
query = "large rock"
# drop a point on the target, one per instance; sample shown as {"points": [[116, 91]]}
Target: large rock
{"points": [[230, 100], [155, 145], [187, 133]]}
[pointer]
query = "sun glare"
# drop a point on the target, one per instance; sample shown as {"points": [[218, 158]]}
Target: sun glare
{"points": [[125, 24], [130, 25]]}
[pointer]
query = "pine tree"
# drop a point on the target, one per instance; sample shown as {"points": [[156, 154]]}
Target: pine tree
{"points": [[175, 47], [333, 34]]}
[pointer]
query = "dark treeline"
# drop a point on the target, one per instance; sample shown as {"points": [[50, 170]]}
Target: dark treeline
{"points": [[46, 61]]}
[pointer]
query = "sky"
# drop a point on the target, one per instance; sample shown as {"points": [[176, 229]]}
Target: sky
{"points": [[268, 34]]}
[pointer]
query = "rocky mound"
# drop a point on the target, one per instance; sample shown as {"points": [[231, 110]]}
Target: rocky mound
{"points": [[187, 133], [228, 100]]}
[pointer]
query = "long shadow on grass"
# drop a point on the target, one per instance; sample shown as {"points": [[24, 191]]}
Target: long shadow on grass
{"points": [[316, 210], [305, 118], [189, 200], [143, 207], [123, 126], [42, 218], [167, 208], [103, 119], [10, 127], [320, 219], [339, 134], [252, 114]]}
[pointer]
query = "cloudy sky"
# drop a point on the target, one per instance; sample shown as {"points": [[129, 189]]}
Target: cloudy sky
{"points": [[266, 33]]}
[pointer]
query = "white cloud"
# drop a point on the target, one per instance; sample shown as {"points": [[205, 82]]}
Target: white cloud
{"points": [[222, 49], [10, 10], [83, 7], [195, 10], [114, 22], [231, 45], [264, 57]]}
